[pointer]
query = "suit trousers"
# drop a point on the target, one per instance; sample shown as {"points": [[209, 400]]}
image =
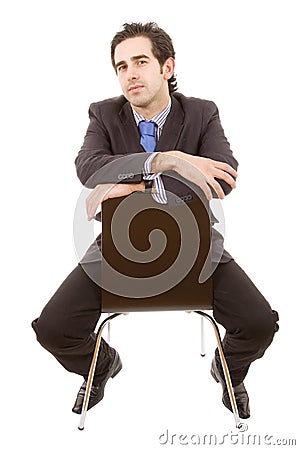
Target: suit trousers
{"points": [[67, 323]]}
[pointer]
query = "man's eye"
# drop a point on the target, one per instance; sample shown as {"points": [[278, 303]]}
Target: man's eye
{"points": [[141, 62], [120, 68]]}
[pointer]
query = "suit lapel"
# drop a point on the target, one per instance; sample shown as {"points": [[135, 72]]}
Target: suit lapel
{"points": [[129, 130], [172, 128]]}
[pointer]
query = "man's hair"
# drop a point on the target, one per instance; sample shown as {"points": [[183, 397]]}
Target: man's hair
{"points": [[162, 46]]}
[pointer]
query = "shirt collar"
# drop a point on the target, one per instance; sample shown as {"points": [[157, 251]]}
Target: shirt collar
{"points": [[159, 119]]}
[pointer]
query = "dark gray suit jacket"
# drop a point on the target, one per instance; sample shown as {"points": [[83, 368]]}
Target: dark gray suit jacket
{"points": [[193, 126]]}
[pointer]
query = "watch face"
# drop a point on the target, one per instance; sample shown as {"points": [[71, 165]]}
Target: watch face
{"points": [[148, 184]]}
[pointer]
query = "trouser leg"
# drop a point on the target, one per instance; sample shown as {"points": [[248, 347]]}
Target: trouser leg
{"points": [[249, 321], [67, 323]]}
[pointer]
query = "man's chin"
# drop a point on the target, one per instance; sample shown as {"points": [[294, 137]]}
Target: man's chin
{"points": [[138, 103]]}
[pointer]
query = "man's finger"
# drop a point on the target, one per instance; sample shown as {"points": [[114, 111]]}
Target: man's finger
{"points": [[226, 168], [207, 191], [217, 188], [226, 177], [91, 210], [91, 205]]}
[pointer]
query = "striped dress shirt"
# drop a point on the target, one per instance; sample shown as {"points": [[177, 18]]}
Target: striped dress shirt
{"points": [[160, 194]]}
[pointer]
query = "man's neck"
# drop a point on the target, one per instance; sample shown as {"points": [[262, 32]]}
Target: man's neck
{"points": [[151, 111]]}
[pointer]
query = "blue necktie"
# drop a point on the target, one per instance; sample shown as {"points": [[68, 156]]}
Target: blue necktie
{"points": [[148, 140]]}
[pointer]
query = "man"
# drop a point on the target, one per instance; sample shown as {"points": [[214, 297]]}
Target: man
{"points": [[190, 141]]}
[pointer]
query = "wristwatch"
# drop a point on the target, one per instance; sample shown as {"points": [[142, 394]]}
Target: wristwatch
{"points": [[148, 186]]}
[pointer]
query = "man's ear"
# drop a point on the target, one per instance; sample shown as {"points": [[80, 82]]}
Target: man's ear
{"points": [[168, 68]]}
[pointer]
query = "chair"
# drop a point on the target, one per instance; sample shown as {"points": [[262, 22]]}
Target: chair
{"points": [[156, 258]]}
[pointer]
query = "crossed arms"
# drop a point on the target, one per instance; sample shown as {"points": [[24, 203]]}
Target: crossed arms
{"points": [[201, 171]]}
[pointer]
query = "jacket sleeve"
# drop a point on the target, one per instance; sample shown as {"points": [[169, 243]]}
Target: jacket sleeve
{"points": [[213, 143], [97, 162]]}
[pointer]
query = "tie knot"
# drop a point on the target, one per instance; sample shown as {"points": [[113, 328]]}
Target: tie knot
{"points": [[147, 128]]}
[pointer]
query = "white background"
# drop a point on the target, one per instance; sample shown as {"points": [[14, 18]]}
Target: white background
{"points": [[55, 61]]}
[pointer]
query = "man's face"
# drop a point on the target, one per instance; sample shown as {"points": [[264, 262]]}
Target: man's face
{"points": [[143, 82]]}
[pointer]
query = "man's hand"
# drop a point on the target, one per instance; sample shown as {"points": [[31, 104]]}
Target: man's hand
{"points": [[199, 170], [104, 191]]}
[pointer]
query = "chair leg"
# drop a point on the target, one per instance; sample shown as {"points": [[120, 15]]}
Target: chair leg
{"points": [[92, 370], [108, 329], [240, 425], [202, 343], [202, 337]]}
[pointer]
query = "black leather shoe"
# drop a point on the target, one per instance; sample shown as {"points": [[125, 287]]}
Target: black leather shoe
{"points": [[240, 393], [97, 390]]}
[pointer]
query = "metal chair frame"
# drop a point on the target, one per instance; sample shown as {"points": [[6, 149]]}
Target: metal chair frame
{"points": [[240, 425]]}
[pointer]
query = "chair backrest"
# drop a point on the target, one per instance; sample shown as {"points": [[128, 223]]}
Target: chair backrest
{"points": [[144, 269]]}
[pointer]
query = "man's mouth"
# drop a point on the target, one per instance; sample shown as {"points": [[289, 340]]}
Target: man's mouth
{"points": [[135, 88]]}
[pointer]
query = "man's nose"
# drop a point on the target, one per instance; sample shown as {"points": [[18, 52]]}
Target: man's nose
{"points": [[131, 73]]}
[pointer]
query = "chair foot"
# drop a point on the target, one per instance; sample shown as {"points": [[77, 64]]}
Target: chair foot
{"points": [[242, 426]]}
